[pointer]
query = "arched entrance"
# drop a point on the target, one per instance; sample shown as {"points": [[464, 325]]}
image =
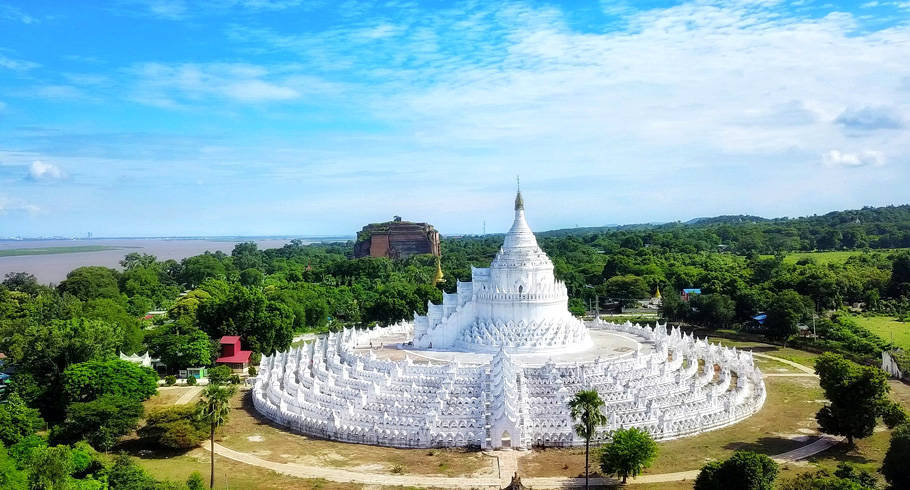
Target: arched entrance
{"points": [[506, 440]]}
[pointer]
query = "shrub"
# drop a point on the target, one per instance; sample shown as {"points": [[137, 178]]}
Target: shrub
{"points": [[235, 379], [845, 478], [174, 427], [895, 467], [22, 450], [893, 414], [744, 470], [220, 375], [125, 473], [170, 380], [195, 482], [252, 371], [191, 381], [101, 422], [17, 420]]}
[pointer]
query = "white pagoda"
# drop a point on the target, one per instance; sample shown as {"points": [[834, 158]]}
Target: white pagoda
{"points": [[516, 304], [494, 366]]}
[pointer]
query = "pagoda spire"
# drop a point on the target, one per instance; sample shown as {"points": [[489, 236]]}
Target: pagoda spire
{"points": [[519, 202]]}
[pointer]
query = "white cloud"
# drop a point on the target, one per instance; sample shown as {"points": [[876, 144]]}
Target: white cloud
{"points": [[188, 84], [258, 90], [40, 171], [58, 92], [16, 65], [9, 12], [166, 9], [836, 158], [12, 204]]}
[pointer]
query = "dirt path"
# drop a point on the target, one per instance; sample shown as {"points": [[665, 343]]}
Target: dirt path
{"points": [[823, 443], [343, 475], [508, 465], [189, 395], [796, 365], [507, 462]]}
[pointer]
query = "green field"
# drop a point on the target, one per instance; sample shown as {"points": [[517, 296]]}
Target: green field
{"points": [[829, 257], [885, 326], [15, 252]]}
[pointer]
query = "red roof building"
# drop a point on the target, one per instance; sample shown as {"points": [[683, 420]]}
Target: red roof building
{"points": [[232, 355]]}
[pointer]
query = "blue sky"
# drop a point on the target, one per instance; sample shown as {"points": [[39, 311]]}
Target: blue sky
{"points": [[172, 117]]}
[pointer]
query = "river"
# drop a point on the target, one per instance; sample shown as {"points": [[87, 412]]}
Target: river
{"points": [[53, 268]]}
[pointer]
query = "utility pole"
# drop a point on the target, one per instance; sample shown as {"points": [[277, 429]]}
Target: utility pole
{"points": [[596, 306]]}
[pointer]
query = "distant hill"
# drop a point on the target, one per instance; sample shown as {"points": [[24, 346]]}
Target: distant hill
{"points": [[870, 227], [727, 219]]}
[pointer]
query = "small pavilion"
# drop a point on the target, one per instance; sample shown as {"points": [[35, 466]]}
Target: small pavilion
{"points": [[231, 354]]}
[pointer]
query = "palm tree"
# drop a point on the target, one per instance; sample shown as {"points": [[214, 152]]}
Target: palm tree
{"points": [[214, 409], [585, 408]]}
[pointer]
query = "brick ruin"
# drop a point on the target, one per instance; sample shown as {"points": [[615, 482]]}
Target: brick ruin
{"points": [[396, 239]]}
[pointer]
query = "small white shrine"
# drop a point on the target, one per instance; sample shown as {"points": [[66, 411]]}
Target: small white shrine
{"points": [[495, 365]]}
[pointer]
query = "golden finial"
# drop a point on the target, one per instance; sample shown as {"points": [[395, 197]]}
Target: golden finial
{"points": [[439, 277], [519, 202]]}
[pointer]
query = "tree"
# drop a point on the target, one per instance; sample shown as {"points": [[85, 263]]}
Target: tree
{"points": [[101, 422], [631, 451], [267, 326], [214, 408], [895, 467], [744, 470], [857, 395], [714, 310], [180, 347], [89, 380], [250, 277], [91, 282], [673, 308], [11, 477], [146, 282], [625, 289], [220, 375], [784, 313], [135, 260], [17, 420], [43, 351], [585, 408], [900, 274], [246, 255], [50, 468], [197, 269], [22, 281], [125, 473], [113, 312]]}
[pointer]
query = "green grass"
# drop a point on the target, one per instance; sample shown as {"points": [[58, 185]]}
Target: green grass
{"points": [[886, 327], [15, 252], [829, 257]]}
